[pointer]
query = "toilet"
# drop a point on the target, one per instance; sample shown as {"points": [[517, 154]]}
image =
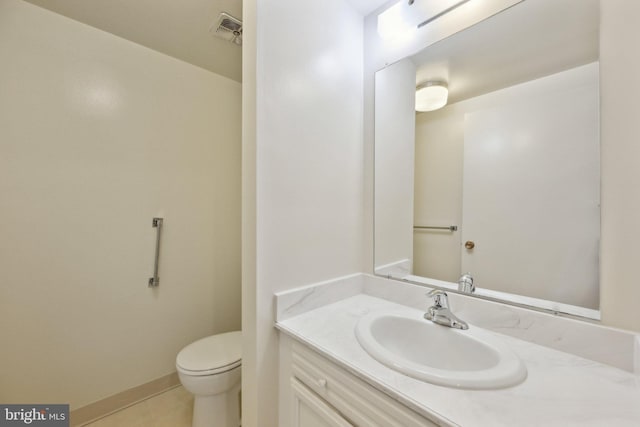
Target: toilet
{"points": [[210, 369]]}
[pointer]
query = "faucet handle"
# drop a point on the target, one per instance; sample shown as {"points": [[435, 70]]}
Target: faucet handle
{"points": [[440, 298]]}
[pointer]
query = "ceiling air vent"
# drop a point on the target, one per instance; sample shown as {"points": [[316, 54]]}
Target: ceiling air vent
{"points": [[228, 28]]}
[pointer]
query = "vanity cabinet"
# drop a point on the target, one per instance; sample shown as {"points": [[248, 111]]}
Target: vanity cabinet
{"points": [[322, 394]]}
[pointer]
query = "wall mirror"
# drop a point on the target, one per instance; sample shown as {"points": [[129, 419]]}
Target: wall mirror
{"points": [[504, 181]]}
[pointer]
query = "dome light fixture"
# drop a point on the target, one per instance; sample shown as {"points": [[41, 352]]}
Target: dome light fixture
{"points": [[431, 96]]}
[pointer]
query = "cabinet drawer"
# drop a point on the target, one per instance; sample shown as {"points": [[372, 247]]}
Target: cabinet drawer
{"points": [[354, 399], [311, 411]]}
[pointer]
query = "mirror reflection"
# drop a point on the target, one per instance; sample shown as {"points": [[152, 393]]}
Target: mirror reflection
{"points": [[504, 181]]}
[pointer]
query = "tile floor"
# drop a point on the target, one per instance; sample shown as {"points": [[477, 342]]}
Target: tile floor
{"points": [[172, 408]]}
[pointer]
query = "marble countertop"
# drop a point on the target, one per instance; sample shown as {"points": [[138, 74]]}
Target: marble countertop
{"points": [[561, 389]]}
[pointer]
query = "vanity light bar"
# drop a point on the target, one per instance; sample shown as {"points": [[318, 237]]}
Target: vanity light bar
{"points": [[405, 17], [444, 12]]}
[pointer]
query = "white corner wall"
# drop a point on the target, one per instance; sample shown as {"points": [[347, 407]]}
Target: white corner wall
{"points": [[620, 127], [97, 136], [303, 204]]}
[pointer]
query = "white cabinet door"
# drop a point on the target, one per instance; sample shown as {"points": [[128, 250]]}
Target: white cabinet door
{"points": [[309, 410]]}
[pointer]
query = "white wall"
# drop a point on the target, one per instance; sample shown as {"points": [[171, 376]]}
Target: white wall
{"points": [[394, 161], [620, 127], [250, 356], [303, 68], [97, 136]]}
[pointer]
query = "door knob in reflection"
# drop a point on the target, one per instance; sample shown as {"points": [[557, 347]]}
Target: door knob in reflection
{"points": [[469, 244]]}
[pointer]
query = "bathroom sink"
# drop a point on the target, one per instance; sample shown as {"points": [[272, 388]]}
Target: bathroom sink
{"points": [[472, 358]]}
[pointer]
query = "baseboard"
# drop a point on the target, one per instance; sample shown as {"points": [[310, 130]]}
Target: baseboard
{"points": [[104, 407]]}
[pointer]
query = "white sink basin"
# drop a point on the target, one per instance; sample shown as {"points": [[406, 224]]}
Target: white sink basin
{"points": [[472, 358]]}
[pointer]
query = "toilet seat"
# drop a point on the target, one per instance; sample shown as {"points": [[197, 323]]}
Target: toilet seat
{"points": [[211, 355]]}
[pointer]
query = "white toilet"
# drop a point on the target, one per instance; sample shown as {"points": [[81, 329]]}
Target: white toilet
{"points": [[210, 369]]}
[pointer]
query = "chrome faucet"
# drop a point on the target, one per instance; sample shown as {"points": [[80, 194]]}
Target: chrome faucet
{"points": [[439, 312], [465, 284]]}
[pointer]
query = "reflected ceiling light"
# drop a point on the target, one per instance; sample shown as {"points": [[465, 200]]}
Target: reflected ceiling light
{"points": [[431, 96], [392, 22]]}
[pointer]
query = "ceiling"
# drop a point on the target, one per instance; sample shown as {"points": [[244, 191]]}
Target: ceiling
{"points": [[365, 7], [179, 28], [530, 40]]}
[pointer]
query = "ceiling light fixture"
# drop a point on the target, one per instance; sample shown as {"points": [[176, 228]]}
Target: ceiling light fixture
{"points": [[431, 96]]}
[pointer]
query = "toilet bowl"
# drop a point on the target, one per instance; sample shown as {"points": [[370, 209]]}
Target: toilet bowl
{"points": [[210, 369]]}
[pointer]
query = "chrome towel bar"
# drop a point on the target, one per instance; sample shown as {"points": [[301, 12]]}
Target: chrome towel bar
{"points": [[157, 224], [429, 227]]}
